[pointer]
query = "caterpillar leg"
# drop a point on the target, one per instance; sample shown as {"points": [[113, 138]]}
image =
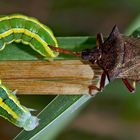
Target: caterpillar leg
{"points": [[14, 92]]}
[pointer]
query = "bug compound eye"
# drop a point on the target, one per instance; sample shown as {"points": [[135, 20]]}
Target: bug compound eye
{"points": [[85, 54]]}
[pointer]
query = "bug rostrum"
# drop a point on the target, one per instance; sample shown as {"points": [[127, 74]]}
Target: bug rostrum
{"points": [[118, 56]]}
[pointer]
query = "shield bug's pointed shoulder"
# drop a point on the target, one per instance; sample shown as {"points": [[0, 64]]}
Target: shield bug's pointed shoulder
{"points": [[115, 32], [114, 40], [112, 53]]}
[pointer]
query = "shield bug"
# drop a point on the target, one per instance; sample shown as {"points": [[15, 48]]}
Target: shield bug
{"points": [[118, 56]]}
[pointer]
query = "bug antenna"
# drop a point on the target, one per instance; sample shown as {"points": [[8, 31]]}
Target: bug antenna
{"points": [[61, 50]]}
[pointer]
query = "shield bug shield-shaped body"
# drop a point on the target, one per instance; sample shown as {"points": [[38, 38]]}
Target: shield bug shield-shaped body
{"points": [[118, 56]]}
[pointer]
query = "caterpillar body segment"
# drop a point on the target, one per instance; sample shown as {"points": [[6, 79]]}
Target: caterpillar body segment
{"points": [[29, 31], [13, 111]]}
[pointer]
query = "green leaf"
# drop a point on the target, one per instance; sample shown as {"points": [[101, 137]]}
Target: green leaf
{"points": [[136, 32], [54, 117], [133, 26]]}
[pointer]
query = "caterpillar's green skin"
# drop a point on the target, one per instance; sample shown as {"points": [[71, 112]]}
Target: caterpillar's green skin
{"points": [[20, 28], [12, 110]]}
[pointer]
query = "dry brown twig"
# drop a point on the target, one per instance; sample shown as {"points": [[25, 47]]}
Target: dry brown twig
{"points": [[42, 77]]}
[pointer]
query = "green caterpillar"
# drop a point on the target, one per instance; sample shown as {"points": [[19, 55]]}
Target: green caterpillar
{"points": [[13, 111], [29, 31], [20, 28]]}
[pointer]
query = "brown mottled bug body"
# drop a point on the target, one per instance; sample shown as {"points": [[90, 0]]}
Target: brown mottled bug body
{"points": [[118, 56]]}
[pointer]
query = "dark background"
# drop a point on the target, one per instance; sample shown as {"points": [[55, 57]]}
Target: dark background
{"points": [[112, 115]]}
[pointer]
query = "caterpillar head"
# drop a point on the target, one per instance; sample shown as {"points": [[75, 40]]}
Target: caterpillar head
{"points": [[31, 123]]}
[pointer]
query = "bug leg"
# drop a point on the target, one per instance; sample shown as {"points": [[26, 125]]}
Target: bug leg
{"points": [[130, 87], [91, 88], [134, 84], [102, 81], [15, 91], [61, 50]]}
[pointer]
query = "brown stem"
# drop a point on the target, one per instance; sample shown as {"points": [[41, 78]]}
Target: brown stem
{"points": [[43, 77]]}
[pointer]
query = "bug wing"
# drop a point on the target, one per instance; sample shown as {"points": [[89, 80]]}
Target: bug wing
{"points": [[131, 70], [132, 45]]}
